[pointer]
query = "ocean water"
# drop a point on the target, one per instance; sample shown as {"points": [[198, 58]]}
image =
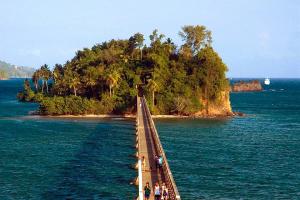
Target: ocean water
{"points": [[251, 157], [62, 159]]}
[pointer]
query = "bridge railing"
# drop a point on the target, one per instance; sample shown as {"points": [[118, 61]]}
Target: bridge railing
{"points": [[140, 175], [169, 180]]}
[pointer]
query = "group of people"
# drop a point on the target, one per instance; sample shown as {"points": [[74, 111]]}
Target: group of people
{"points": [[160, 193]]}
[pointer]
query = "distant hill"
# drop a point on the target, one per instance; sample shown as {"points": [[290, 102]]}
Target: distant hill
{"points": [[12, 71]]}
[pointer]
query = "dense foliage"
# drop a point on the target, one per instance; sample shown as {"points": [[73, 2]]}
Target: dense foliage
{"points": [[107, 77]]}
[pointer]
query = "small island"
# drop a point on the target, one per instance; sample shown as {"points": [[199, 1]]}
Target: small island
{"points": [[186, 80], [251, 86]]}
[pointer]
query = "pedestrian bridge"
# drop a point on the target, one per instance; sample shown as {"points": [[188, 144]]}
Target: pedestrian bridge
{"points": [[148, 145]]}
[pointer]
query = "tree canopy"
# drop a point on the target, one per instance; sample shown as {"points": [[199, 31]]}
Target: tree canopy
{"points": [[105, 78]]}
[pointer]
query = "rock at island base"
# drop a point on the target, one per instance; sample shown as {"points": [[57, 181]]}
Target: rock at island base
{"points": [[221, 108]]}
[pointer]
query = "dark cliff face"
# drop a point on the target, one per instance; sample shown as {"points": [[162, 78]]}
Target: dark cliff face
{"points": [[246, 86]]}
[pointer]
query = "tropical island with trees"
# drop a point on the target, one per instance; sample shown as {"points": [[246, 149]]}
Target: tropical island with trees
{"points": [[186, 80]]}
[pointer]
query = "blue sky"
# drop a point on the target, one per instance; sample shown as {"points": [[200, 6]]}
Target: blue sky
{"points": [[255, 38]]}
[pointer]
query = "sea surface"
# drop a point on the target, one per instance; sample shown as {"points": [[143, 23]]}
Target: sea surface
{"points": [[251, 157], [62, 159]]}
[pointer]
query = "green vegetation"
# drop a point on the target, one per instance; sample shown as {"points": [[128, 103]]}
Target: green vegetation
{"points": [[3, 75], [107, 77], [12, 71]]}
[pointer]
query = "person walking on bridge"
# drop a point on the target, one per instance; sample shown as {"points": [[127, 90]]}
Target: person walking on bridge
{"points": [[147, 191], [157, 192], [160, 161], [156, 161], [144, 163], [164, 192]]}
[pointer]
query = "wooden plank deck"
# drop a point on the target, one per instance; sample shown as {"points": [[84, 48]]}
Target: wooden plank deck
{"points": [[147, 149], [149, 145]]}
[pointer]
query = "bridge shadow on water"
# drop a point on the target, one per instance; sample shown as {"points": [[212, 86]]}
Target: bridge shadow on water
{"points": [[100, 169]]}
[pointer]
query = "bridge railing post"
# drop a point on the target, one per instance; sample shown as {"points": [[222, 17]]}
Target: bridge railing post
{"points": [[140, 179]]}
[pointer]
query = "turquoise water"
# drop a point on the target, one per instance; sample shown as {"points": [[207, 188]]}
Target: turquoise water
{"points": [[252, 157], [62, 159]]}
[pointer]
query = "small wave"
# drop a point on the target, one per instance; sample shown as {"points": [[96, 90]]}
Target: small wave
{"points": [[119, 119], [18, 119]]}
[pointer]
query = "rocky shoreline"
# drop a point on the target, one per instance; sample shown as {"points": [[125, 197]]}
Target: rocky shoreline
{"points": [[133, 116], [251, 86], [218, 109]]}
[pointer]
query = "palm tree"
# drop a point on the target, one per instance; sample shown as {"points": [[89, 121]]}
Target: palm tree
{"points": [[135, 41], [41, 73], [170, 46], [112, 80], [35, 79], [45, 74], [139, 40], [74, 82], [71, 79], [57, 72], [153, 87], [90, 78]]}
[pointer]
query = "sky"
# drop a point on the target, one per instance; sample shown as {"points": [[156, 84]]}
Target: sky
{"points": [[255, 38]]}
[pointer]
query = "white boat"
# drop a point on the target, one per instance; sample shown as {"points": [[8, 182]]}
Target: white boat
{"points": [[267, 81]]}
